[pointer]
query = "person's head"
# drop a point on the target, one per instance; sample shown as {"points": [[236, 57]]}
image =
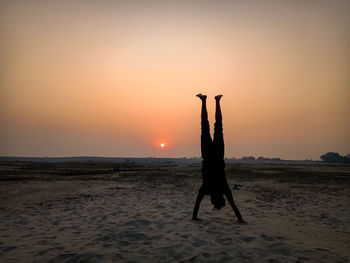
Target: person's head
{"points": [[217, 200]]}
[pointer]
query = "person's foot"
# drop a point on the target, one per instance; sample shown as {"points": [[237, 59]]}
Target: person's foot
{"points": [[218, 97], [201, 96]]}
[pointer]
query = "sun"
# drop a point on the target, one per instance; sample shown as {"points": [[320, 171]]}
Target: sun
{"points": [[162, 145]]}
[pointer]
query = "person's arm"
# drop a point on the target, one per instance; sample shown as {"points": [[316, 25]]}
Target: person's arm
{"points": [[234, 207], [197, 204]]}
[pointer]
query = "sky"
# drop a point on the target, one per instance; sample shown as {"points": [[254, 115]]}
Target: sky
{"points": [[118, 78]]}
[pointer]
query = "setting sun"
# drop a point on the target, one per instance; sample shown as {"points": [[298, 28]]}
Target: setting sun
{"points": [[162, 145]]}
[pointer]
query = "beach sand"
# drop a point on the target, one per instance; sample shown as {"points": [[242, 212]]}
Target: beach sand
{"points": [[134, 212]]}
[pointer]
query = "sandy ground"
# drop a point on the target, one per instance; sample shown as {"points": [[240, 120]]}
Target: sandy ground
{"points": [[108, 212]]}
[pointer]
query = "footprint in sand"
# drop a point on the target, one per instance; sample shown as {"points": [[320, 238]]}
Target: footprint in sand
{"points": [[224, 241], [137, 223], [267, 238], [273, 260], [199, 243], [132, 236], [8, 249], [322, 249], [124, 243], [282, 251], [247, 239]]}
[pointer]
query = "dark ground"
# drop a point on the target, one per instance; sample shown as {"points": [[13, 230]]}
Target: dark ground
{"points": [[92, 212]]}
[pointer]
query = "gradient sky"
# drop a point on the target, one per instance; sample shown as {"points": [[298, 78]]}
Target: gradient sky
{"points": [[109, 78]]}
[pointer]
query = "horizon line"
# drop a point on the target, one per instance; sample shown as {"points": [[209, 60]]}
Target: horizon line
{"points": [[146, 157]]}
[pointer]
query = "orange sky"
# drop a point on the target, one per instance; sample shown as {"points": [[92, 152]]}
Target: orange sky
{"points": [[117, 79]]}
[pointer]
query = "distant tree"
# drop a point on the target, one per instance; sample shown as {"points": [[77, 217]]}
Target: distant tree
{"points": [[332, 157], [248, 158]]}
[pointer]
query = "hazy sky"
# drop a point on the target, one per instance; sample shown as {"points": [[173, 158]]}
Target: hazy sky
{"points": [[109, 78]]}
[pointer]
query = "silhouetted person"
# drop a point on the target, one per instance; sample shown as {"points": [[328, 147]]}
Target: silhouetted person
{"points": [[213, 165]]}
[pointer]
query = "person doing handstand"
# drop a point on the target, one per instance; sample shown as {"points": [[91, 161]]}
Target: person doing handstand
{"points": [[214, 182]]}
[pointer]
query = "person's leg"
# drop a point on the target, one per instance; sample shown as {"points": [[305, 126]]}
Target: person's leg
{"points": [[235, 209], [206, 147], [218, 140], [218, 115], [205, 132], [204, 113], [197, 204]]}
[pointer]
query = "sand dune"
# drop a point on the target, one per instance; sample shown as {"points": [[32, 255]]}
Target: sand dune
{"points": [[142, 213]]}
